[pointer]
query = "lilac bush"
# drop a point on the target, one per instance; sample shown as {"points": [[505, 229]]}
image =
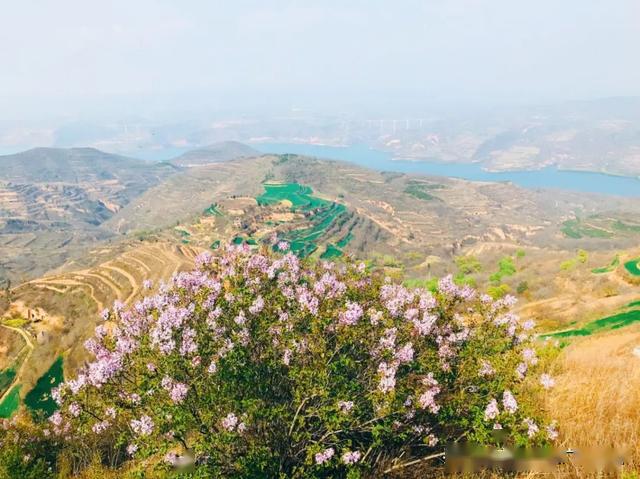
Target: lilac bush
{"points": [[255, 365]]}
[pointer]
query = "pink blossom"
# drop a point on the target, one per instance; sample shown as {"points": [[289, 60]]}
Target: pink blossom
{"points": [[56, 418], [213, 367], [388, 340], [521, 370], [432, 440]]}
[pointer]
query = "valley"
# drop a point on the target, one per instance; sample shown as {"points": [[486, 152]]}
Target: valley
{"points": [[570, 258]]}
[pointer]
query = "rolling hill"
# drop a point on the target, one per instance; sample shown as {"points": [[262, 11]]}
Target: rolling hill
{"points": [[223, 151]]}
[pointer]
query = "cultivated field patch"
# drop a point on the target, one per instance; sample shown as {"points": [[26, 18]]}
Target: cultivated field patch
{"points": [[633, 267], [39, 398], [608, 269]]}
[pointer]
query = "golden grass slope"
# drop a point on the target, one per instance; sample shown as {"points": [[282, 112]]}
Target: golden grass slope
{"points": [[596, 399]]}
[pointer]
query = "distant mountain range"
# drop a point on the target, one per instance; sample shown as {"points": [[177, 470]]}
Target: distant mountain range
{"points": [[601, 135]]}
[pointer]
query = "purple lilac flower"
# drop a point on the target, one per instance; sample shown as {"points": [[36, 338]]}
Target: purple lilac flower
{"points": [[230, 422], [75, 409], [532, 427], [142, 426], [100, 427], [521, 370], [388, 339], [257, 306], [404, 354], [351, 315], [345, 406], [56, 418], [324, 456], [283, 246], [491, 411], [178, 392], [387, 377], [509, 402], [350, 457], [529, 356], [486, 369], [547, 381]]}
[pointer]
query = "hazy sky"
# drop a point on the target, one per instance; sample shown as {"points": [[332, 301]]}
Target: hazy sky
{"points": [[95, 56]]}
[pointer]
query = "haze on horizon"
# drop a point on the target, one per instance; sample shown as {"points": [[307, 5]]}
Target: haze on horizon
{"points": [[74, 58]]}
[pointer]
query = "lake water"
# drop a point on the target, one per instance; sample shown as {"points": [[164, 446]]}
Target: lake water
{"points": [[546, 178]]}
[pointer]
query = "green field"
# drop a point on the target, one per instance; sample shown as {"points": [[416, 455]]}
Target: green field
{"points": [[616, 321], [11, 402], [6, 379], [331, 252], [576, 229], [421, 190], [344, 241], [304, 241], [608, 269], [300, 196], [633, 267], [212, 210], [625, 227], [39, 398]]}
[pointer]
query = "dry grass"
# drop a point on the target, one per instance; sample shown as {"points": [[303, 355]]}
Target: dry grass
{"points": [[596, 399]]}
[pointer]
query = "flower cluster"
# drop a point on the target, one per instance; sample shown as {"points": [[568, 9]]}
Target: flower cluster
{"points": [[326, 366]]}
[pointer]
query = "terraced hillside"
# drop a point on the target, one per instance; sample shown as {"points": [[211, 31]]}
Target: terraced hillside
{"points": [[287, 211], [405, 214], [56, 313], [54, 201]]}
